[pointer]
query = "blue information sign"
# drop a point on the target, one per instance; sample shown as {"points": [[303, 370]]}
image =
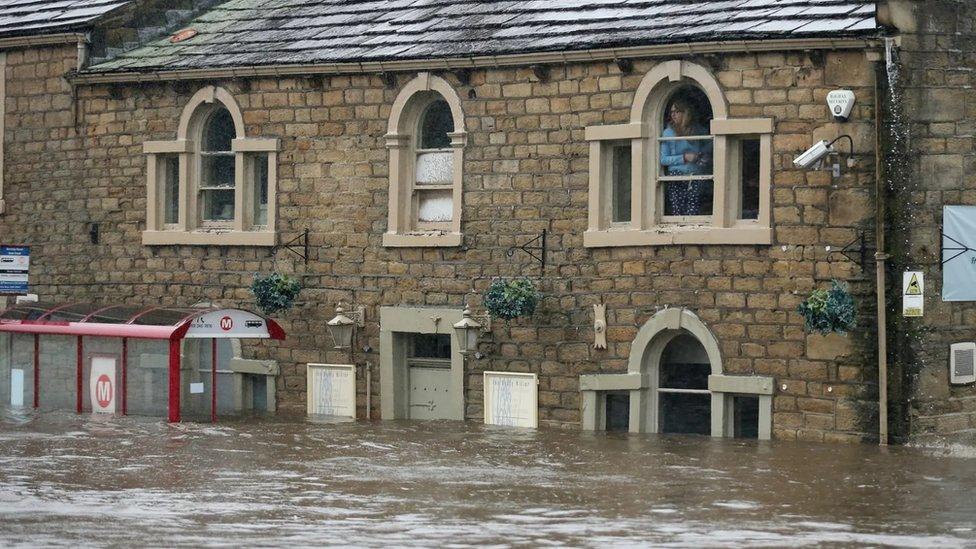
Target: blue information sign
{"points": [[14, 268]]}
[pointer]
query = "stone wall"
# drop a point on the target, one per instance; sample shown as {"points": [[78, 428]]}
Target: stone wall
{"points": [[934, 92], [526, 169]]}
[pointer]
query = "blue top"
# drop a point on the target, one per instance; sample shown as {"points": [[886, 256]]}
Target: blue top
{"points": [[673, 153]]}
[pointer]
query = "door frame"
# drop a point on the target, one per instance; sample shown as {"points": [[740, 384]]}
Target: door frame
{"points": [[396, 325]]}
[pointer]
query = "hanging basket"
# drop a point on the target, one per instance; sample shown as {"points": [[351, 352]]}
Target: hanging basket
{"points": [[275, 293], [829, 311], [512, 298]]}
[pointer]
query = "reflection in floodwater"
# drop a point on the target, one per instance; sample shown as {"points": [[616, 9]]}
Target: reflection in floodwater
{"points": [[68, 479]]}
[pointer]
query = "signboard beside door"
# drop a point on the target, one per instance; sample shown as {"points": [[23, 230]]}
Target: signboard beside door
{"points": [[511, 399], [14, 268], [331, 390]]}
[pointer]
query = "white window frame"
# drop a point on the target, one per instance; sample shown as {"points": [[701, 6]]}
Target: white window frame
{"points": [[647, 226], [190, 228], [404, 228]]}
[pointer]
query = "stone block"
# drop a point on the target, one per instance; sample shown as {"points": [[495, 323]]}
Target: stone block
{"points": [[828, 347], [848, 69], [942, 171], [937, 105], [850, 207]]}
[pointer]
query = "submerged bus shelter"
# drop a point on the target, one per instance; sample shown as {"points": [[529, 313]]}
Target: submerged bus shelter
{"points": [[131, 358]]}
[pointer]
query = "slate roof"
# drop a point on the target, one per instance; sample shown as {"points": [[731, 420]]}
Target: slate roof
{"points": [[38, 17], [242, 33]]}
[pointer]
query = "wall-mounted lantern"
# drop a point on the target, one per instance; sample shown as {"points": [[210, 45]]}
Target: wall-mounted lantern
{"points": [[341, 326], [468, 330]]}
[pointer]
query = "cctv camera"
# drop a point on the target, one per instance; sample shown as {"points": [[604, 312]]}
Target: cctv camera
{"points": [[841, 103], [813, 155]]}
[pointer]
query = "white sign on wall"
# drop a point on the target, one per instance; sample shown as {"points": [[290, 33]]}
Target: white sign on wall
{"points": [[511, 399], [913, 294], [331, 390], [102, 385]]}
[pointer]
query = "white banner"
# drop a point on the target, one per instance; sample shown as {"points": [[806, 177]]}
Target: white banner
{"points": [[102, 385]]}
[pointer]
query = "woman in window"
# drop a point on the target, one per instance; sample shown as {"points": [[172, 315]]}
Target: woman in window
{"points": [[685, 157]]}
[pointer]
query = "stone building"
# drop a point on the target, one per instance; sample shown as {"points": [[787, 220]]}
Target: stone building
{"points": [[421, 147]]}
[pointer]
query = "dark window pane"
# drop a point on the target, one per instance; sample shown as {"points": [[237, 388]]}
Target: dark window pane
{"points": [[745, 417], [436, 122], [218, 171], [618, 411], [750, 179], [685, 376], [217, 205], [170, 177], [219, 131], [260, 189], [684, 413], [683, 198], [432, 346], [620, 187]]}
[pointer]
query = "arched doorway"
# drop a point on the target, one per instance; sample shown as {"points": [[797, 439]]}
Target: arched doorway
{"points": [[684, 403]]}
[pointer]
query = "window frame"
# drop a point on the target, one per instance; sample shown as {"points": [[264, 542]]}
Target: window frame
{"points": [[404, 228], [192, 228], [648, 226]]}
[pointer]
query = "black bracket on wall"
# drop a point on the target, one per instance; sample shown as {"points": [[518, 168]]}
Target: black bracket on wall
{"points": [[960, 249], [856, 251], [297, 246], [531, 250]]}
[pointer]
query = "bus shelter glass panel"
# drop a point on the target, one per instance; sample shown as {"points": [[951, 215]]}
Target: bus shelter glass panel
{"points": [[58, 372], [147, 379], [197, 379], [16, 370]]}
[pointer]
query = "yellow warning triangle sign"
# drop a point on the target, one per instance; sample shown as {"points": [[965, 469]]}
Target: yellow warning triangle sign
{"points": [[914, 288]]}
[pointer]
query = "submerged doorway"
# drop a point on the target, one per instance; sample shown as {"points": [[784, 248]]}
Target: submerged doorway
{"points": [[684, 401], [421, 367], [428, 364]]}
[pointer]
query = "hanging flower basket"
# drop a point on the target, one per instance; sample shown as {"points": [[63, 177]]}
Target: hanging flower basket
{"points": [[827, 311], [275, 292], [511, 299]]}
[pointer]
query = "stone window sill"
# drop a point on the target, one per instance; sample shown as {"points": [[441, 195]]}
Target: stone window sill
{"points": [[422, 240], [666, 236], [211, 238]]}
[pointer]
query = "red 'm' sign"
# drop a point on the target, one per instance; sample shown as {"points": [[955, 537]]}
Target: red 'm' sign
{"points": [[226, 323], [103, 391]]}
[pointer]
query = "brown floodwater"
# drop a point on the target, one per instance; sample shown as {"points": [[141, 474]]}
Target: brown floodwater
{"points": [[96, 481]]}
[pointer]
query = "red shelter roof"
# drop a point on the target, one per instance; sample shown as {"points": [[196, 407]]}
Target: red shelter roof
{"points": [[146, 322]]}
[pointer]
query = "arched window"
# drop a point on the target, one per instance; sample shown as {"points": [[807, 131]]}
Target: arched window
{"points": [[212, 184], [675, 384], [682, 171], [426, 140]]}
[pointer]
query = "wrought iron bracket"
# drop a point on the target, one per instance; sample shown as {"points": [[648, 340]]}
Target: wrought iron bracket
{"points": [[297, 246], [537, 252], [959, 248], [856, 251]]}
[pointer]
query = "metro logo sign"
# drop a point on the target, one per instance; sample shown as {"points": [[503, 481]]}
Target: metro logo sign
{"points": [[102, 384], [226, 323], [103, 391]]}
